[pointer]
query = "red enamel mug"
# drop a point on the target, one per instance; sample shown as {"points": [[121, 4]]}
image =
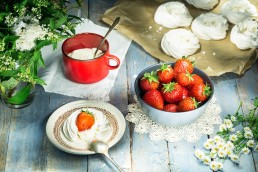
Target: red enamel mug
{"points": [[91, 70]]}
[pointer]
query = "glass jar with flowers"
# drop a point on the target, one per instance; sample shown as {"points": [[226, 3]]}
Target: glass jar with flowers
{"points": [[26, 26]]}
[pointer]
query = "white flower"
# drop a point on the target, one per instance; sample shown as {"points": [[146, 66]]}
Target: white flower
{"points": [[234, 158], [219, 165], [247, 129], [222, 127], [208, 144], [28, 32], [230, 145], [228, 123], [213, 153], [217, 139], [199, 154], [233, 137], [250, 143], [248, 134], [256, 148], [231, 129], [207, 160], [229, 152], [214, 166], [221, 145], [233, 118], [222, 153], [246, 150]]}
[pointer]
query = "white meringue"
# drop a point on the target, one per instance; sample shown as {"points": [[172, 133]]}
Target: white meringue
{"points": [[245, 34], [238, 10], [173, 15], [101, 129], [210, 26], [203, 4], [179, 43]]}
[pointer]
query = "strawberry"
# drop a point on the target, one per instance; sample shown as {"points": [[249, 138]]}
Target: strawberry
{"points": [[154, 99], [184, 79], [185, 93], [165, 73], [149, 81], [196, 79], [200, 91], [183, 66], [172, 92], [170, 108], [187, 104], [85, 120]]}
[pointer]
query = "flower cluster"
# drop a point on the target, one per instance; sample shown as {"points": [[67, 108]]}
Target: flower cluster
{"points": [[25, 27], [230, 144]]}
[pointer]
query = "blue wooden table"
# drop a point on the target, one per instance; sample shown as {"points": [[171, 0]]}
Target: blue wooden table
{"points": [[24, 145]]}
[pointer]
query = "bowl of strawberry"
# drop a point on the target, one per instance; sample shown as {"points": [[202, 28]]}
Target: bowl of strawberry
{"points": [[173, 94]]}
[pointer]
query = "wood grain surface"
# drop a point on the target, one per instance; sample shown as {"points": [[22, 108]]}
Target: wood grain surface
{"points": [[24, 145]]}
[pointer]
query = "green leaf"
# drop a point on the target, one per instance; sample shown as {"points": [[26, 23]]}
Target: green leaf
{"points": [[35, 57], [8, 73], [54, 44], [9, 84], [256, 101], [71, 17], [41, 44], [20, 96], [61, 21], [41, 62], [10, 38], [39, 80], [2, 16], [52, 24]]}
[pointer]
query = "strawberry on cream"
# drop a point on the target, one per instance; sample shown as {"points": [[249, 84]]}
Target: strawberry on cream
{"points": [[100, 130]]}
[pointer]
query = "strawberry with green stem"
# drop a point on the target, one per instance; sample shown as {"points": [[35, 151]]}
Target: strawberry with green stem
{"points": [[187, 104], [183, 65], [165, 73], [172, 92], [200, 91], [149, 81]]}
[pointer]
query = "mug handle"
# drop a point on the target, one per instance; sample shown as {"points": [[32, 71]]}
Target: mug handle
{"points": [[114, 58]]}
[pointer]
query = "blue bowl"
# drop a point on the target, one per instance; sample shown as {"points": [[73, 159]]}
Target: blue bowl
{"points": [[172, 119]]}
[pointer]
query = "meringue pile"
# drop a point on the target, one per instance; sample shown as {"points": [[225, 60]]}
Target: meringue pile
{"points": [[238, 10], [101, 130], [173, 15], [210, 26], [245, 34], [203, 4], [179, 43], [207, 26]]}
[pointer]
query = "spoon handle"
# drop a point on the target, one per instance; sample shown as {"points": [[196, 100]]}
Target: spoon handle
{"points": [[117, 166], [109, 30]]}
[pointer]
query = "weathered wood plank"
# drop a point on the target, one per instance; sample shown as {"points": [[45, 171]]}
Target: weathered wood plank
{"points": [[5, 121], [58, 160], [228, 98], [247, 86], [146, 155], [118, 97], [27, 136], [182, 156]]}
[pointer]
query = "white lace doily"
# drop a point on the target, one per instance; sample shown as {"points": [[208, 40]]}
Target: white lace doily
{"points": [[191, 132]]}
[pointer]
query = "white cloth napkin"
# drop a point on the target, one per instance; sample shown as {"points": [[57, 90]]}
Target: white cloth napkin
{"points": [[53, 73]]}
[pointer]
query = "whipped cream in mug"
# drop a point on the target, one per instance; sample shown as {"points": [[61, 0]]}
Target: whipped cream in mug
{"points": [[85, 53]]}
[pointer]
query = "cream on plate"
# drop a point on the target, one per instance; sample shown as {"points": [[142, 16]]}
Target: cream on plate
{"points": [[100, 130]]}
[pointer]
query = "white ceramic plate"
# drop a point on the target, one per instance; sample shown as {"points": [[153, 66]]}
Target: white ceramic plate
{"points": [[56, 120]]}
